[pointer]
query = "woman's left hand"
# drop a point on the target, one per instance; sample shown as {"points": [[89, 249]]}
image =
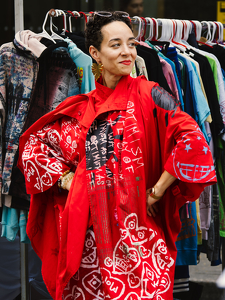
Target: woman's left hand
{"points": [[152, 205]]}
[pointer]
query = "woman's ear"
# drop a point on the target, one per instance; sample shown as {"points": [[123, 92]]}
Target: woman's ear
{"points": [[94, 53]]}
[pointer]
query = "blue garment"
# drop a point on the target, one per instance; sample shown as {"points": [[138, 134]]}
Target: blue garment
{"points": [[14, 220], [223, 72], [200, 106], [187, 240], [22, 225], [175, 74], [172, 55], [83, 62], [10, 224]]}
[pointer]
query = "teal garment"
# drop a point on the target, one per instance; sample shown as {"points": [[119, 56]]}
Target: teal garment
{"points": [[14, 220], [83, 62], [10, 224], [174, 71], [187, 240], [22, 225]]}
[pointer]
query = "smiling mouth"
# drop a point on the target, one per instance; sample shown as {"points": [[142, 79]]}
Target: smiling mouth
{"points": [[126, 62]]}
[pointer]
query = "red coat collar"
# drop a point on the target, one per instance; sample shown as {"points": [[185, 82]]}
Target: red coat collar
{"points": [[116, 100]]}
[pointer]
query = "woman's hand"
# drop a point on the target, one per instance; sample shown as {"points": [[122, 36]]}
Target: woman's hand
{"points": [[152, 204], [160, 187], [66, 180]]}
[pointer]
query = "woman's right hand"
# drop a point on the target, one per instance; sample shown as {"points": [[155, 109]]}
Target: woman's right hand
{"points": [[66, 181]]}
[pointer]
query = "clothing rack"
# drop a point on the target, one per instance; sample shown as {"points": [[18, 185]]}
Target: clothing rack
{"points": [[19, 25]]}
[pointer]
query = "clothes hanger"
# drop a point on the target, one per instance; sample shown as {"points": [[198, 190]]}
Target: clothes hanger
{"points": [[187, 28], [151, 24], [72, 14], [176, 39], [166, 30], [44, 33], [198, 30], [139, 28], [219, 39], [155, 29], [143, 31], [54, 35], [60, 12]]}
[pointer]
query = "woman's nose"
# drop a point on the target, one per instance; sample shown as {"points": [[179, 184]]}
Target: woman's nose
{"points": [[125, 50]]}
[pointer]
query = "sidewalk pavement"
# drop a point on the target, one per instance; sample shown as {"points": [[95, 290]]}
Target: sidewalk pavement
{"points": [[206, 275]]}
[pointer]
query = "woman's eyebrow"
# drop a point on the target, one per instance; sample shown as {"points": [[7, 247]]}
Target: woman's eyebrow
{"points": [[118, 39]]}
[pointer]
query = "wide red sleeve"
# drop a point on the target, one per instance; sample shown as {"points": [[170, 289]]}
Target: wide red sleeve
{"points": [[186, 154], [48, 153], [179, 144], [190, 159]]}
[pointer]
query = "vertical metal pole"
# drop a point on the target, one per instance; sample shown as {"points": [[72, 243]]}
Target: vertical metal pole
{"points": [[24, 271], [19, 20], [19, 25]]}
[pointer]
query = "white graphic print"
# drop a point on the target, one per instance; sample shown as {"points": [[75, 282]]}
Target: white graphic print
{"points": [[184, 166], [115, 286], [160, 256], [147, 270], [77, 294], [132, 296], [137, 235], [92, 283], [125, 259], [89, 257], [56, 144], [134, 281]]}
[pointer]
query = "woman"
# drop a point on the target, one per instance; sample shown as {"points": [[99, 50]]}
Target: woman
{"points": [[107, 148], [133, 7]]}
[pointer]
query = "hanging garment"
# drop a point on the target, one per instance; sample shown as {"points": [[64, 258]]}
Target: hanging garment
{"points": [[153, 66], [83, 63], [141, 66], [187, 240], [168, 73], [34, 80], [115, 163], [164, 46]]}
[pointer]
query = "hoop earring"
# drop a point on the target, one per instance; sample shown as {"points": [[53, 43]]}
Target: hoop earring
{"points": [[97, 70]]}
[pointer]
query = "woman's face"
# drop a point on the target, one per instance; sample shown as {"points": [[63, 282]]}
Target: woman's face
{"points": [[135, 8], [117, 52]]}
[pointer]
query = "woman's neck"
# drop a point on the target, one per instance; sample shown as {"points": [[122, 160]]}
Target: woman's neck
{"points": [[110, 81]]}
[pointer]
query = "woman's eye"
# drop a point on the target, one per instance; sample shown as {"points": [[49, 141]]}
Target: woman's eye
{"points": [[116, 45], [132, 44]]}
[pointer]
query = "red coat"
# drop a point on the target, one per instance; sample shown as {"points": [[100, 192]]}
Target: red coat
{"points": [[141, 132]]}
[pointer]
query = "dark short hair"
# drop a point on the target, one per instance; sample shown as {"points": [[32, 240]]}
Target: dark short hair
{"points": [[93, 34]]}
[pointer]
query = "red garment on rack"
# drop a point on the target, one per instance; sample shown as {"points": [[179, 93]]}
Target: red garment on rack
{"points": [[138, 132]]}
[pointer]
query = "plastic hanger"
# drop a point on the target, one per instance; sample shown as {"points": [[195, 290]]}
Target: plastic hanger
{"points": [[54, 35], [44, 33], [151, 24], [198, 31], [187, 28], [177, 37], [155, 29], [219, 38], [72, 14], [166, 30], [139, 27], [59, 13], [143, 31]]}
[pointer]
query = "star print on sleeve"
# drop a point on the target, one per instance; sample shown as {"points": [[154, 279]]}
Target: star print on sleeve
{"points": [[205, 149], [197, 163], [188, 147]]}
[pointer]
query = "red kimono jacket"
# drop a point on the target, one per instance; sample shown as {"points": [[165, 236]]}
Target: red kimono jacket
{"points": [[117, 153]]}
